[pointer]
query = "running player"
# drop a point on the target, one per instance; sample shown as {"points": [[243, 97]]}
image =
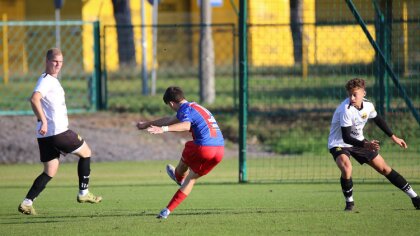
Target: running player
{"points": [[54, 137], [346, 139], [201, 155]]}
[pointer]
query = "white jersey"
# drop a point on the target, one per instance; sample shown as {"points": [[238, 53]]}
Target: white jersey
{"points": [[347, 115], [54, 105]]}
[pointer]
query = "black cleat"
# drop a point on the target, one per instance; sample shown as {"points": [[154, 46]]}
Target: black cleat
{"points": [[416, 202], [349, 206]]}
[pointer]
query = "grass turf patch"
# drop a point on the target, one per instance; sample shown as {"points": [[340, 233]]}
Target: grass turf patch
{"points": [[134, 192]]}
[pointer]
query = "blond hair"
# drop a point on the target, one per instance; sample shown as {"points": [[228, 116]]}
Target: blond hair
{"points": [[51, 53]]}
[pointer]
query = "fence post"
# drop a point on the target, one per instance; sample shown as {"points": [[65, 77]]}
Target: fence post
{"points": [[99, 88], [243, 89], [383, 59], [5, 51]]}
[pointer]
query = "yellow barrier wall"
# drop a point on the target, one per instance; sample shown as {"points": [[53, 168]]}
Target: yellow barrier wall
{"points": [[103, 11], [220, 15], [268, 46], [12, 10]]}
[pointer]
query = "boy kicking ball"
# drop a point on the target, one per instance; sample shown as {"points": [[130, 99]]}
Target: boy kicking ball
{"points": [[200, 155], [346, 139]]}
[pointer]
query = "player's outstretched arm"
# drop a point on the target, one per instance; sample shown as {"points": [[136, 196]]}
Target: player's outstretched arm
{"points": [[178, 127], [399, 141], [159, 122]]}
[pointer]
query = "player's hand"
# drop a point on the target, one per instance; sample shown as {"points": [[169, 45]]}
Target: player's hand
{"points": [[373, 145], [44, 128], [155, 130], [399, 141], [142, 125]]}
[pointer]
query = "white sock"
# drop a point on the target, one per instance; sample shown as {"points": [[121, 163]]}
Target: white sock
{"points": [[349, 199], [410, 192], [83, 192], [27, 202]]}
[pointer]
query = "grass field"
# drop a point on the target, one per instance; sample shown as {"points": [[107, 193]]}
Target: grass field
{"points": [[134, 192]]}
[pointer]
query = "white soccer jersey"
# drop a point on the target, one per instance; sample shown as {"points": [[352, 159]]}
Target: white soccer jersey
{"points": [[347, 115], [54, 105]]}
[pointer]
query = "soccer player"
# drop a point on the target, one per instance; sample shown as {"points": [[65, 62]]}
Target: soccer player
{"points": [[346, 139], [54, 137], [201, 155]]}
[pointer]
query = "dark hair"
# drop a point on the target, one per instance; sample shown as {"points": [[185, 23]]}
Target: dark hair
{"points": [[173, 94], [355, 83], [51, 53]]}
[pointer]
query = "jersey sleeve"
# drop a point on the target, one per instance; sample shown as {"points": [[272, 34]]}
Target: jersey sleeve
{"points": [[372, 113], [42, 86], [184, 115], [345, 118]]}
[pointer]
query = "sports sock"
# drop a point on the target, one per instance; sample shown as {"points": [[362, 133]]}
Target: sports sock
{"points": [[176, 200], [83, 170], [347, 187], [83, 192], [396, 179], [38, 185], [27, 202]]}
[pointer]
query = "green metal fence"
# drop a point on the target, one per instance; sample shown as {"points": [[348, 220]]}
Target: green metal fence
{"points": [[177, 63], [290, 104], [290, 100], [23, 46]]}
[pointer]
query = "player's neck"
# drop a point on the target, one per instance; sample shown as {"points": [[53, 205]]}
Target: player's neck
{"points": [[55, 75], [359, 107]]}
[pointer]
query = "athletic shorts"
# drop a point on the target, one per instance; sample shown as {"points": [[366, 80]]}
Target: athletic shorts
{"points": [[362, 155], [202, 159], [51, 147]]}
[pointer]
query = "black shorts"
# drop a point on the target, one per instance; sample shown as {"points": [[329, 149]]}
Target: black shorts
{"points": [[362, 155], [51, 147]]}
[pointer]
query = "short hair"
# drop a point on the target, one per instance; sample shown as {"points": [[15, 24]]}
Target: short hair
{"points": [[51, 53], [173, 94], [355, 83]]}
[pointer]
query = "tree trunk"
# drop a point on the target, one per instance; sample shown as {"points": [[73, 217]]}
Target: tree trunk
{"points": [[125, 36], [207, 83], [296, 20]]}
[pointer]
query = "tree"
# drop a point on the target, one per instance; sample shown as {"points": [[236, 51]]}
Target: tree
{"points": [[125, 35], [296, 20]]}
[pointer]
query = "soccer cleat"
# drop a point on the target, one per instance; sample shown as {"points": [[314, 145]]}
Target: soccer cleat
{"points": [[26, 209], [89, 198], [416, 202], [349, 206], [164, 214], [171, 172]]}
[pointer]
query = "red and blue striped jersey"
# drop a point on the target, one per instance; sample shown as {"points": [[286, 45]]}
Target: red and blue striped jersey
{"points": [[204, 127]]}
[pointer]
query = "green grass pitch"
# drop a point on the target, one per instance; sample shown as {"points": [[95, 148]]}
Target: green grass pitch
{"points": [[134, 192]]}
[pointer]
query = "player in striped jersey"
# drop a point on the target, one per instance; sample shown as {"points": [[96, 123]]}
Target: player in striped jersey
{"points": [[346, 139], [200, 155]]}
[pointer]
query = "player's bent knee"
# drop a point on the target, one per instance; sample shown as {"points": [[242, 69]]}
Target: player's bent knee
{"points": [[84, 151]]}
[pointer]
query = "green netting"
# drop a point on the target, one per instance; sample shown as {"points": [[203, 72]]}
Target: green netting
{"points": [[292, 99], [23, 46], [177, 63]]}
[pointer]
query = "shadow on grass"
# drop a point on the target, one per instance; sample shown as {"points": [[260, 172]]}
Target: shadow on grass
{"points": [[39, 219]]}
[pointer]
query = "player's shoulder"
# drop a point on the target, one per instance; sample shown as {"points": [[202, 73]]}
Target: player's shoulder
{"points": [[46, 77], [344, 105], [185, 107], [368, 104]]}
